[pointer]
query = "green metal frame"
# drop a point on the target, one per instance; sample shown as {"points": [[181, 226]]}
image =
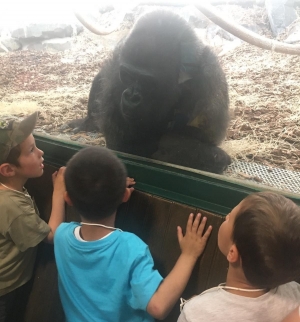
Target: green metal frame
{"points": [[211, 192]]}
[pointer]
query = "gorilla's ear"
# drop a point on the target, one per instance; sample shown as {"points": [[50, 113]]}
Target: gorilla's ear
{"points": [[189, 61]]}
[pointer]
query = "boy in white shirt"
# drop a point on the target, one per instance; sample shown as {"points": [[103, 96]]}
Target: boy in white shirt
{"points": [[261, 240]]}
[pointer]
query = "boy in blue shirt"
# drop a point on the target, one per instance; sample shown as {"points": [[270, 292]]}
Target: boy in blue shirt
{"points": [[106, 274]]}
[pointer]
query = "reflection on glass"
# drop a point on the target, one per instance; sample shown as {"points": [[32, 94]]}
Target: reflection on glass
{"points": [[162, 93]]}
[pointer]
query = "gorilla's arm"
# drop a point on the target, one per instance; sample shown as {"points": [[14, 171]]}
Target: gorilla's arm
{"points": [[215, 102], [200, 121], [205, 99]]}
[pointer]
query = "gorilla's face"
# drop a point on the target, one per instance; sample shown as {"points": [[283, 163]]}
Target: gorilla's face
{"points": [[151, 88], [140, 93]]}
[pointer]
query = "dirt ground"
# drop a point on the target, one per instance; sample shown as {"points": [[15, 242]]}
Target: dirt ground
{"points": [[264, 92]]}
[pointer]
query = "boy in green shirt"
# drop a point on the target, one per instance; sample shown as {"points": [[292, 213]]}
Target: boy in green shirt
{"points": [[21, 228]]}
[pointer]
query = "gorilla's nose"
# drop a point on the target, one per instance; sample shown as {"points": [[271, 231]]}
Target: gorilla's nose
{"points": [[136, 99], [132, 98]]}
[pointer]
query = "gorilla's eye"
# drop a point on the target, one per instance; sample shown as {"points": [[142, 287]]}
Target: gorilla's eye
{"points": [[125, 77]]}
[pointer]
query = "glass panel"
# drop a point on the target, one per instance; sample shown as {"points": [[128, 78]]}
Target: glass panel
{"points": [[164, 97]]}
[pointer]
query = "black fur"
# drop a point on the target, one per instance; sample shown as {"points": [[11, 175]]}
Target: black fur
{"points": [[163, 95]]}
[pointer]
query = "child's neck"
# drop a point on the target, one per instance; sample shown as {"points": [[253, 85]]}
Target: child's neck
{"points": [[90, 233], [236, 278], [13, 183]]}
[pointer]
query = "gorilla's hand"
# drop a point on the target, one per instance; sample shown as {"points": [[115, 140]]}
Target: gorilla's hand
{"points": [[192, 153], [86, 124]]}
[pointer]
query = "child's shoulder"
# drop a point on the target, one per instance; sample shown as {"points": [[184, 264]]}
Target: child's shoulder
{"points": [[15, 203], [219, 298], [131, 238], [132, 244], [205, 296], [291, 289], [65, 226], [65, 229], [203, 305]]}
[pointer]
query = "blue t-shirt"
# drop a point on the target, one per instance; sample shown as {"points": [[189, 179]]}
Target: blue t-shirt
{"points": [[110, 279]]}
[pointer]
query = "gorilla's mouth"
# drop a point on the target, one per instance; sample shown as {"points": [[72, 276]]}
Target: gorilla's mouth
{"points": [[136, 120], [131, 111], [129, 116]]}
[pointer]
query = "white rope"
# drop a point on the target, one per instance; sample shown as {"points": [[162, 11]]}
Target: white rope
{"points": [[224, 287], [273, 45]]}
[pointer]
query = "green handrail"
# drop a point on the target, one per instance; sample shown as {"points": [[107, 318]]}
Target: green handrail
{"points": [[211, 192]]}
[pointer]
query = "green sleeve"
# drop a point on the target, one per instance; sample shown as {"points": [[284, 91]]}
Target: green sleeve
{"points": [[28, 230]]}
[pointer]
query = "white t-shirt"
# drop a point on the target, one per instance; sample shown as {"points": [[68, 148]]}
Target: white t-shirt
{"points": [[221, 306]]}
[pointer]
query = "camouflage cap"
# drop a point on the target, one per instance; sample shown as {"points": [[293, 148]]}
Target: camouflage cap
{"points": [[13, 133]]}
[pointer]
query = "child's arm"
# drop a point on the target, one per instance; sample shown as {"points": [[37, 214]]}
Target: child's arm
{"points": [[294, 316], [192, 246], [58, 203]]}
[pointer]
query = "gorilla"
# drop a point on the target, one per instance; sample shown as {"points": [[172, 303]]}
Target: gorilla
{"points": [[163, 95]]}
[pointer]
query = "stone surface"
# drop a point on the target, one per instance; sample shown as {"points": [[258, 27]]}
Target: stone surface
{"points": [[18, 33], [3, 49], [57, 44], [52, 45], [11, 44], [5, 33], [33, 45], [294, 34], [46, 30], [281, 14], [193, 16], [106, 8]]}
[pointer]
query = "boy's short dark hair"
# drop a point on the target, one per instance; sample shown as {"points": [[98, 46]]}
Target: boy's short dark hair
{"points": [[95, 181], [266, 233]]}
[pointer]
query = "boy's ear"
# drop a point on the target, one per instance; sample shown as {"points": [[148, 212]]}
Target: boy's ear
{"points": [[7, 170], [127, 194], [67, 199], [233, 255]]}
